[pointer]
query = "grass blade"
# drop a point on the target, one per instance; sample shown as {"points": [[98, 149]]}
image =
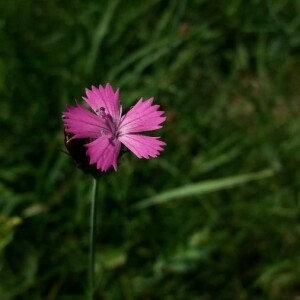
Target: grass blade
{"points": [[204, 187]]}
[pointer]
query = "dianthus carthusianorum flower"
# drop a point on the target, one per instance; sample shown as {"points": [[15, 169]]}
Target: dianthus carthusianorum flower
{"points": [[106, 128]]}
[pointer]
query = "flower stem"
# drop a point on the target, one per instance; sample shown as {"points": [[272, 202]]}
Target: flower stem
{"points": [[93, 222]]}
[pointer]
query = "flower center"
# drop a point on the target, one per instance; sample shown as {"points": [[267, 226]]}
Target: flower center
{"points": [[109, 121]]}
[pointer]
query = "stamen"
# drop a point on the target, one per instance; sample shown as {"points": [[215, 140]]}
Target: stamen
{"points": [[121, 110], [120, 117], [103, 132], [101, 112]]}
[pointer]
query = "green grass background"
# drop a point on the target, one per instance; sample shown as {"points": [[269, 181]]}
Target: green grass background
{"points": [[216, 216]]}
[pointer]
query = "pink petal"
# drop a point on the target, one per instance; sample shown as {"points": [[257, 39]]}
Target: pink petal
{"points": [[143, 116], [104, 152], [83, 123], [104, 97], [141, 145]]}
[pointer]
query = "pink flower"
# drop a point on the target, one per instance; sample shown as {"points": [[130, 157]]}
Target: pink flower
{"points": [[106, 128]]}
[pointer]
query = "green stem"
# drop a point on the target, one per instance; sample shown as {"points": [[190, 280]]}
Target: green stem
{"points": [[93, 222]]}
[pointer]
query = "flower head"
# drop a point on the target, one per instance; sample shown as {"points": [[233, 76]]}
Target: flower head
{"points": [[106, 129]]}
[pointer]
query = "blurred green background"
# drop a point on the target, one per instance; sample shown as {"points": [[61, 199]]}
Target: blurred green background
{"points": [[216, 216]]}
